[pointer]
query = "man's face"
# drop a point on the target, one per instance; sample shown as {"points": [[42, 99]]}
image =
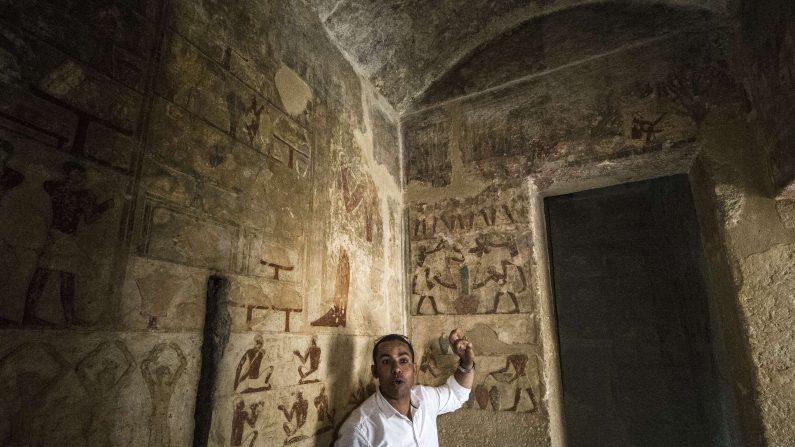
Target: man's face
{"points": [[395, 370]]}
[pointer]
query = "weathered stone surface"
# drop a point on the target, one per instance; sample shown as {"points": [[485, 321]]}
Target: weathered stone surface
{"points": [[405, 49], [764, 55], [236, 138], [767, 302]]}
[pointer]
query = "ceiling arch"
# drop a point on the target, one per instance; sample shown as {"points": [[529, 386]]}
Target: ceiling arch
{"points": [[411, 49]]}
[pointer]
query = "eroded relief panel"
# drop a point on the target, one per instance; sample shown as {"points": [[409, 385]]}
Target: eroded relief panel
{"points": [[77, 391]]}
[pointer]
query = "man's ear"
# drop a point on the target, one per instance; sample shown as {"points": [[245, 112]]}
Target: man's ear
{"points": [[374, 371]]}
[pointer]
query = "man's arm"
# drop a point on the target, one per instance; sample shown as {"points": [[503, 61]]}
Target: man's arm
{"points": [[463, 348]]}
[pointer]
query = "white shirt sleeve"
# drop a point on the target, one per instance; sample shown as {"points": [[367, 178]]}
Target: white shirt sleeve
{"points": [[448, 397]]}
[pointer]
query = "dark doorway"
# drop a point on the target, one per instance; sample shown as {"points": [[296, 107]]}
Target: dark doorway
{"points": [[633, 317]]}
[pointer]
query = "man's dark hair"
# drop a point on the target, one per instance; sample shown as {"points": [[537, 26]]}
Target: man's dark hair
{"points": [[392, 337]]}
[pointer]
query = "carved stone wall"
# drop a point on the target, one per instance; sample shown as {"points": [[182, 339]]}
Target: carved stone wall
{"points": [[475, 168], [147, 145]]}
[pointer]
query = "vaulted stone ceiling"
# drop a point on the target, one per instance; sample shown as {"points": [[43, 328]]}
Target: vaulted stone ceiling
{"points": [[420, 52]]}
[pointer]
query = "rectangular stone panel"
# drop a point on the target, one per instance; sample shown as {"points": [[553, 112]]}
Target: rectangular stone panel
{"points": [[193, 147], [127, 36], [426, 142], [98, 96], [167, 184], [176, 236], [198, 84]]}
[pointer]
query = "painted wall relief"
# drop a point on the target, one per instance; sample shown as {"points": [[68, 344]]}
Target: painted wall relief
{"points": [[161, 376], [244, 422], [361, 203], [278, 393], [31, 374], [250, 376], [72, 203], [50, 399], [469, 258], [427, 143], [336, 316], [312, 354], [57, 234], [325, 415], [103, 373], [509, 377], [295, 417]]}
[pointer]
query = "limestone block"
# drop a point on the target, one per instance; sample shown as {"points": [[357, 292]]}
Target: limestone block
{"points": [[197, 83], [786, 210], [195, 148], [161, 295], [99, 96], [176, 236]]}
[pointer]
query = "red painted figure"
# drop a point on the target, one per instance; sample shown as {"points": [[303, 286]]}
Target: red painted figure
{"points": [[71, 202]]}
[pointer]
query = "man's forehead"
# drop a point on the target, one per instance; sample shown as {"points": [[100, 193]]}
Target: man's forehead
{"points": [[386, 348]]}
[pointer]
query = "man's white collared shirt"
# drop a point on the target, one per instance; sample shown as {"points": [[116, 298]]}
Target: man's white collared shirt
{"points": [[376, 423]]}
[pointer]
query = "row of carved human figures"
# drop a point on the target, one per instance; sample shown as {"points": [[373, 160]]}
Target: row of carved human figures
{"points": [[38, 370], [295, 415], [251, 376], [508, 277]]}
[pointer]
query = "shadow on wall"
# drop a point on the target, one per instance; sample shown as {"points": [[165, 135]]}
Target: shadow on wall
{"points": [[340, 376]]}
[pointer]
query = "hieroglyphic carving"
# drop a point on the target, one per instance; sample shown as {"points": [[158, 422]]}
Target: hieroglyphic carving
{"points": [[71, 203], [336, 316], [249, 375], [277, 267], [252, 119], [421, 283], [313, 355], [99, 375], [245, 416], [428, 224], [468, 255], [161, 380], [296, 418], [641, 126], [325, 416], [513, 370]]}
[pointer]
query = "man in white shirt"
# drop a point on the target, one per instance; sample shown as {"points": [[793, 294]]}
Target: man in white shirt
{"points": [[399, 413]]}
